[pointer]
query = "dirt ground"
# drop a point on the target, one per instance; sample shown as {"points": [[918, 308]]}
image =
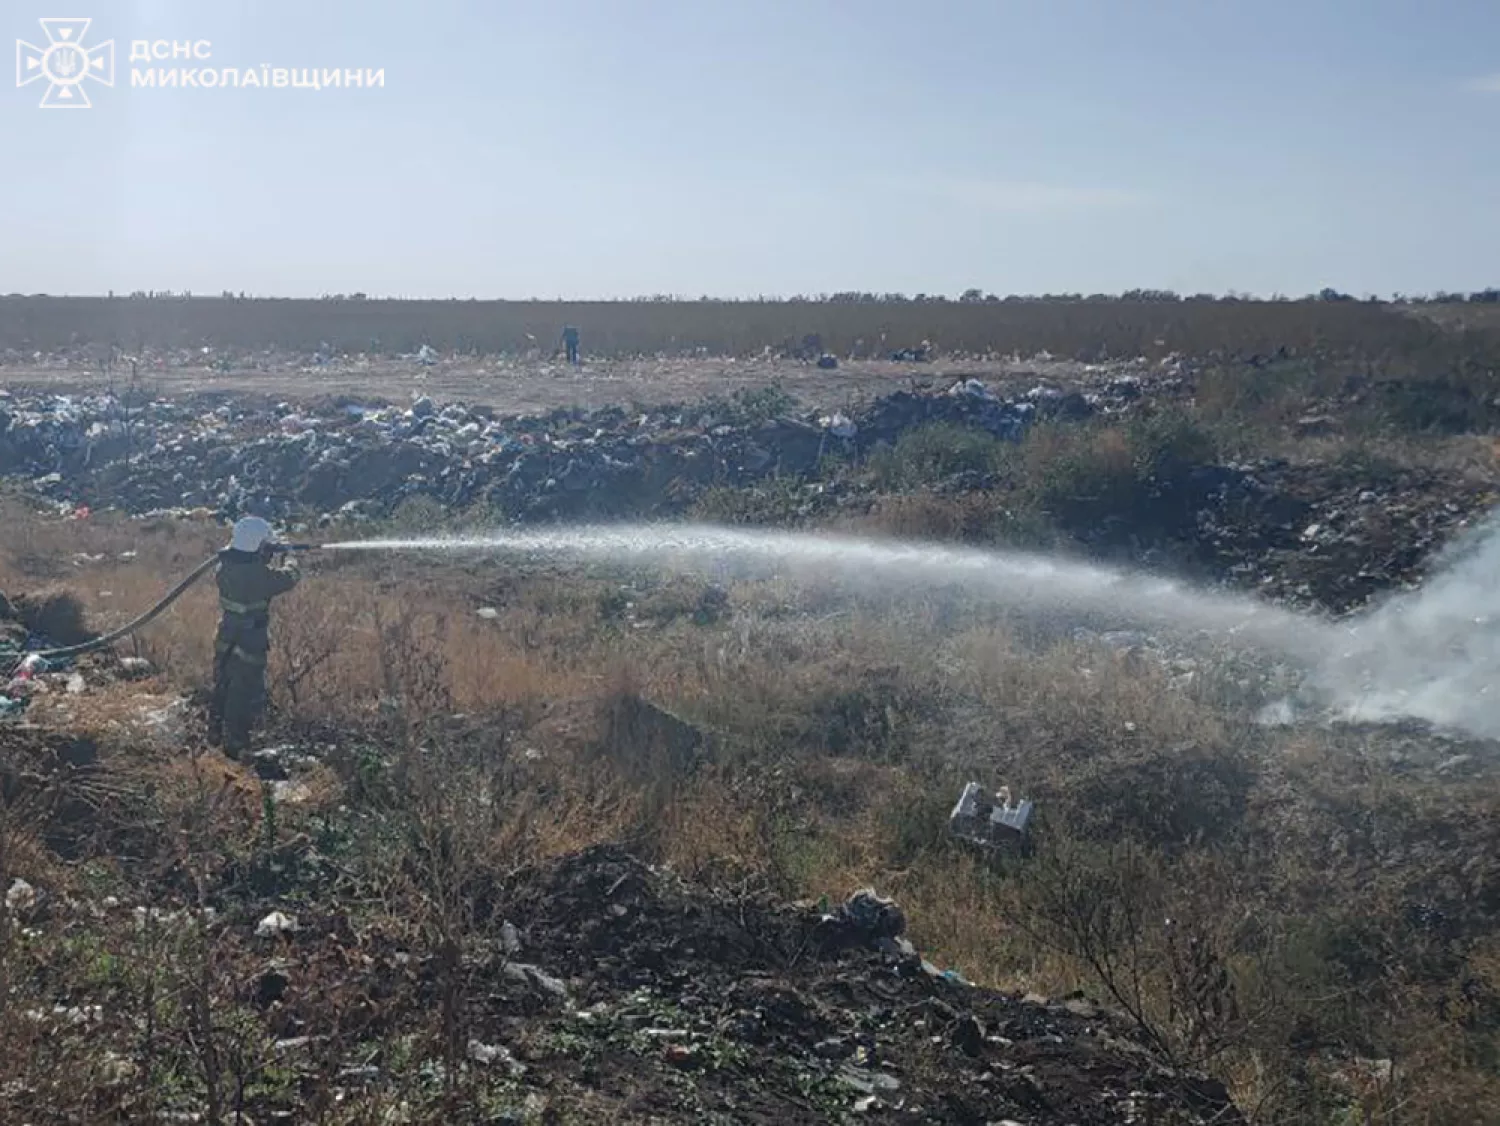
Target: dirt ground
{"points": [[529, 386]]}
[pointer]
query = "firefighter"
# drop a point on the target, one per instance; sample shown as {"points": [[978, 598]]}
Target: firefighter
{"points": [[247, 581]]}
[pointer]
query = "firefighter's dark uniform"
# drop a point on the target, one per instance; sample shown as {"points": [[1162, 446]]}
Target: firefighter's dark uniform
{"points": [[247, 583]]}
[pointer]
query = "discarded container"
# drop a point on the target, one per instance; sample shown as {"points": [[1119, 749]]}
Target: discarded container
{"points": [[274, 924], [990, 819]]}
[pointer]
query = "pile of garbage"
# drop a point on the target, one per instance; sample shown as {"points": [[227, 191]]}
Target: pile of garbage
{"points": [[42, 622], [24, 674], [603, 984], [830, 1008], [348, 459], [1329, 536]]}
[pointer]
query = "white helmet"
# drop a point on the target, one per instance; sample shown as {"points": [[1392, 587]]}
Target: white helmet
{"points": [[250, 534]]}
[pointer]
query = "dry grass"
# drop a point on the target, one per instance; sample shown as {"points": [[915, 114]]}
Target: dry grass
{"points": [[835, 735]]}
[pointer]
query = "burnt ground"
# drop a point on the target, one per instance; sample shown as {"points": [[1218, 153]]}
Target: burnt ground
{"points": [[784, 1015], [604, 990]]}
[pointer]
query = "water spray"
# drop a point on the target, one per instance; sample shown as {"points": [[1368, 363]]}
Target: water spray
{"points": [[1430, 654], [1035, 583]]}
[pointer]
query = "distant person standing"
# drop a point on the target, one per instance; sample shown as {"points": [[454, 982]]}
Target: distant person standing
{"points": [[570, 342]]}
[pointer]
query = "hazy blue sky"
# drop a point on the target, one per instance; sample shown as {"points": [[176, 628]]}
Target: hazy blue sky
{"points": [[613, 147]]}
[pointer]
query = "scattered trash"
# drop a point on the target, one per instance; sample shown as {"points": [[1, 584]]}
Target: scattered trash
{"points": [[868, 1082], [275, 924], [290, 792], [355, 463], [839, 425], [525, 974], [874, 915], [992, 820], [1315, 426], [21, 896], [970, 388], [492, 1054], [951, 976]]}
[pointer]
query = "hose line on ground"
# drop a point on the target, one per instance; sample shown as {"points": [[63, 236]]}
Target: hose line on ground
{"points": [[129, 627]]}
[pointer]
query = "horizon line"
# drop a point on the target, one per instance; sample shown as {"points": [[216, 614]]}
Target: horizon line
{"points": [[972, 296]]}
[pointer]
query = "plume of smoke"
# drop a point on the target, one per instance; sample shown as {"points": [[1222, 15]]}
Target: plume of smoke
{"points": [[1432, 653]]}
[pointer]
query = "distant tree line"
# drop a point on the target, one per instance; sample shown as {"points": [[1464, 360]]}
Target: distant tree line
{"points": [[852, 297]]}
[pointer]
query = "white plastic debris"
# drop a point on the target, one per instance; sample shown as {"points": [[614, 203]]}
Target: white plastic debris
{"points": [[839, 425], [970, 388], [135, 667], [21, 896], [524, 974], [492, 1054], [989, 819], [274, 924], [290, 792]]}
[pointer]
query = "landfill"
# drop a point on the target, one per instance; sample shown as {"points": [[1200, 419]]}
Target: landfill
{"points": [[1327, 536], [347, 459]]}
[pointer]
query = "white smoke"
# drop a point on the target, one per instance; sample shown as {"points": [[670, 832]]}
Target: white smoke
{"points": [[1432, 653]]}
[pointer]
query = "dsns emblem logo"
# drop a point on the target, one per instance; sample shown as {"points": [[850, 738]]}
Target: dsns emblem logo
{"points": [[65, 64]]}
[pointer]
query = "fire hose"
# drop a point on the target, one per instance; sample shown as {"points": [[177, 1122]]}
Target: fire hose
{"points": [[150, 615]]}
